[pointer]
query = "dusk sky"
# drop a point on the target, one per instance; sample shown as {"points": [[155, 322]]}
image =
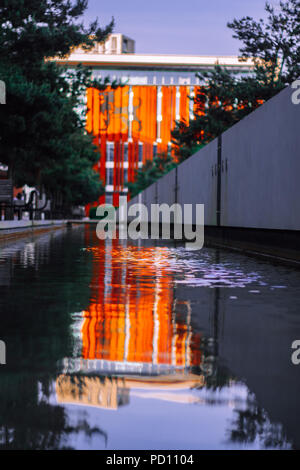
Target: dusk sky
{"points": [[177, 26]]}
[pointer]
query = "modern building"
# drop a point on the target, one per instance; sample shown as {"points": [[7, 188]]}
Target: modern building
{"points": [[133, 123]]}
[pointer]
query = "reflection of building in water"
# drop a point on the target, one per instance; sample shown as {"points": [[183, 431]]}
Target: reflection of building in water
{"points": [[133, 316], [91, 391], [134, 329], [113, 392]]}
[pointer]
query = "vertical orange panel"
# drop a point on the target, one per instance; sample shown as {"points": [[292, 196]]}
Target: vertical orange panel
{"points": [[184, 104], [199, 107], [103, 112], [152, 118], [96, 105], [124, 112], [138, 112], [173, 108], [89, 127], [166, 117], [109, 110]]}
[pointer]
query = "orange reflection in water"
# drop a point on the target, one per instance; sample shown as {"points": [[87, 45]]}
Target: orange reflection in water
{"points": [[133, 315]]}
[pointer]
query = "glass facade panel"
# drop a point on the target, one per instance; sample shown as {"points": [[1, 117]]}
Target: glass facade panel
{"points": [[125, 156], [110, 151], [125, 175], [140, 152], [109, 176], [109, 198]]}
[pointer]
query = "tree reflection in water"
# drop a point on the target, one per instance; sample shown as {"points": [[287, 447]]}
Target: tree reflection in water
{"points": [[29, 421], [36, 327], [252, 423]]}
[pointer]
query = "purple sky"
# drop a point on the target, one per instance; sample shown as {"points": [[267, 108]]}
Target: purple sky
{"points": [[177, 26]]}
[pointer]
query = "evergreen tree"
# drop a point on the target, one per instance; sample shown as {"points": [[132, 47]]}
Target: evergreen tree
{"points": [[275, 43], [150, 172], [225, 97], [43, 139], [222, 101]]}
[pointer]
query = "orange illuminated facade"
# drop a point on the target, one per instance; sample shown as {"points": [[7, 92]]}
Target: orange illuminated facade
{"points": [[130, 125]]}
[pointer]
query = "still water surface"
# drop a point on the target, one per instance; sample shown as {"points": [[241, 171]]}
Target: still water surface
{"points": [[115, 345]]}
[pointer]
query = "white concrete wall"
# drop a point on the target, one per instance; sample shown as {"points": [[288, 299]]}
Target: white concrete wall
{"points": [[260, 172], [196, 183], [261, 187]]}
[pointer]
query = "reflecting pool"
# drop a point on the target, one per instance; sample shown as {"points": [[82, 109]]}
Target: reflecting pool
{"points": [[145, 345]]}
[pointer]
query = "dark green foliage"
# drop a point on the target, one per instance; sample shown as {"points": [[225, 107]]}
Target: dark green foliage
{"points": [[226, 100], [225, 97], [93, 215], [151, 171], [275, 42], [43, 140], [32, 30], [38, 334]]}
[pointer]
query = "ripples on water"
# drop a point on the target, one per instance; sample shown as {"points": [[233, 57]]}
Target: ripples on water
{"points": [[117, 345]]}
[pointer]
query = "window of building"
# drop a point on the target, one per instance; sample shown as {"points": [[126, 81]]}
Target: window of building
{"points": [[109, 198], [125, 175], [154, 149], [125, 152], [125, 45], [110, 147], [109, 176], [140, 151]]}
